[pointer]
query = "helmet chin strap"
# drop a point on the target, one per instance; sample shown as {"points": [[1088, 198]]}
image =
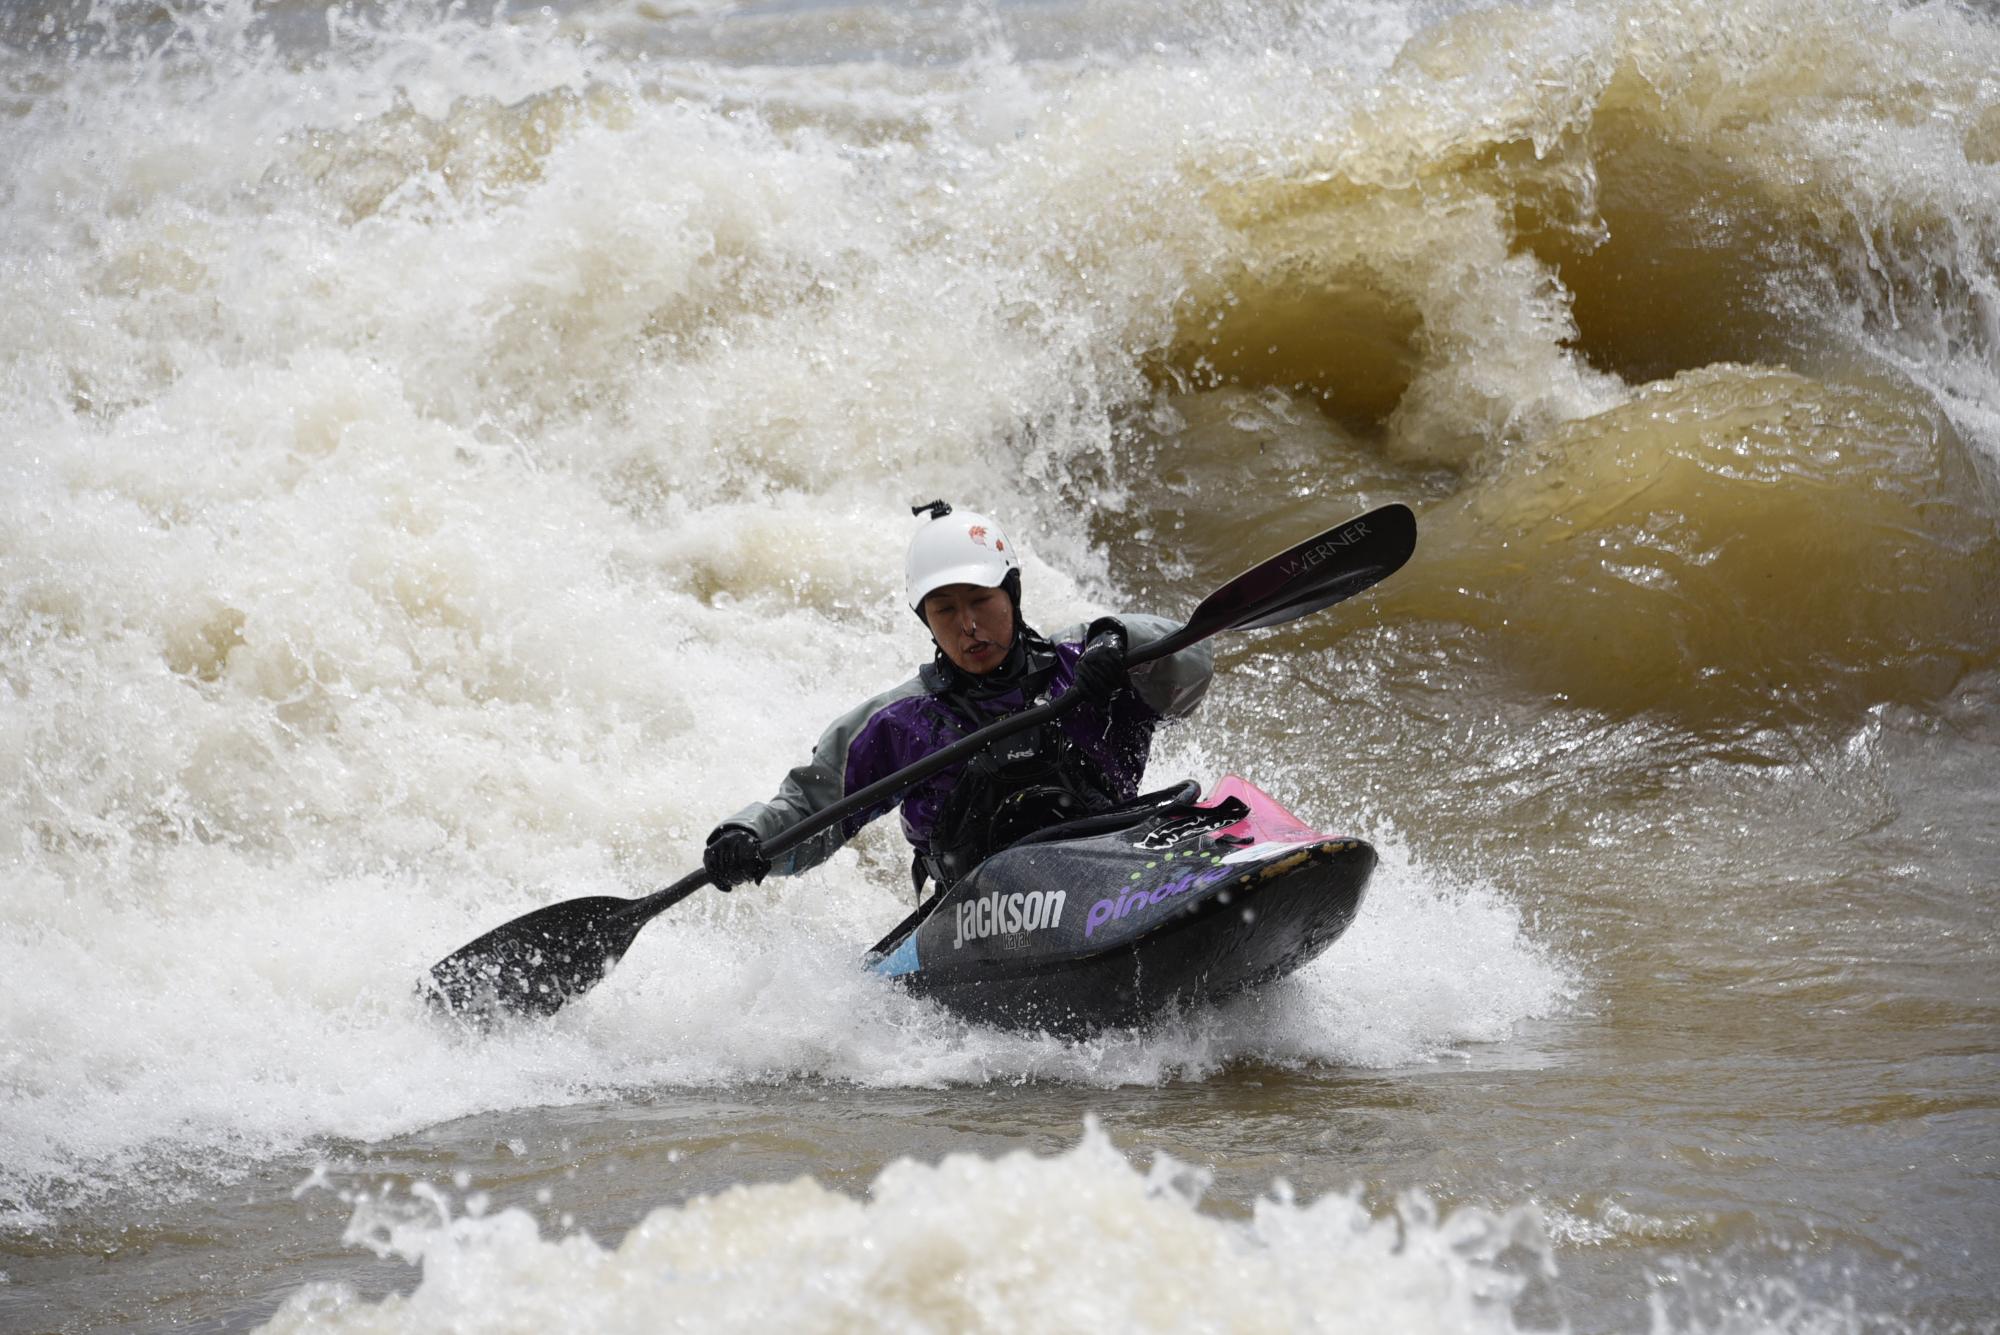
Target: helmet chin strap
{"points": [[1006, 675]]}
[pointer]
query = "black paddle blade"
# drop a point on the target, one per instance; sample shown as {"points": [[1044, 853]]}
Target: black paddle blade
{"points": [[536, 963], [1319, 572]]}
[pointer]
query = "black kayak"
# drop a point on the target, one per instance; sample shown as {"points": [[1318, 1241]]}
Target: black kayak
{"points": [[1180, 902]]}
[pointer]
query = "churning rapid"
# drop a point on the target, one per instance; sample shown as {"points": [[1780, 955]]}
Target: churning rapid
{"points": [[450, 456]]}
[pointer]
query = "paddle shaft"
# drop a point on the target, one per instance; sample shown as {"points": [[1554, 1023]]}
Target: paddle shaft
{"points": [[644, 910]]}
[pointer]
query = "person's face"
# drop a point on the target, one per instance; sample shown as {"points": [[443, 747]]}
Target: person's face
{"points": [[974, 625]]}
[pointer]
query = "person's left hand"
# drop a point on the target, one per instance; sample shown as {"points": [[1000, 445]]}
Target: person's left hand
{"points": [[1100, 669]]}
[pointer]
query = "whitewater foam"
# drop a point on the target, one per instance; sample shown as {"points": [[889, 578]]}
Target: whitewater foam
{"points": [[1080, 1240]]}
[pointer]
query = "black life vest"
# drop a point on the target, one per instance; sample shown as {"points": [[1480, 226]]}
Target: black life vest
{"points": [[1014, 787]]}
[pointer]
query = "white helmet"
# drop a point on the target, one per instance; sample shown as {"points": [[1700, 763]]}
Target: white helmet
{"points": [[962, 548]]}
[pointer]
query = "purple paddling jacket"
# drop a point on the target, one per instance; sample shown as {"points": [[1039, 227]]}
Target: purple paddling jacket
{"points": [[901, 726]]}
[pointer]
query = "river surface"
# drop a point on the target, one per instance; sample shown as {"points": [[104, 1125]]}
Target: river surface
{"points": [[452, 456]]}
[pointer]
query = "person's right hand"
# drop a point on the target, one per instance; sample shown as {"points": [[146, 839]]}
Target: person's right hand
{"points": [[734, 855]]}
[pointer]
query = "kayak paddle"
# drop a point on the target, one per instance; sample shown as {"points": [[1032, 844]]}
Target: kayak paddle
{"points": [[542, 960]]}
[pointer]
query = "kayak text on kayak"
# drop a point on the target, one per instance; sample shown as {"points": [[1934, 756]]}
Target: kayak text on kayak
{"points": [[1008, 914]]}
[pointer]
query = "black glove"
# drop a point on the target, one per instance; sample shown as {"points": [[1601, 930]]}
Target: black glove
{"points": [[1100, 669], [734, 855]]}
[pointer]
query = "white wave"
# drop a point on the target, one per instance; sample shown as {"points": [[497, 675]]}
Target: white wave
{"points": [[1081, 1240]]}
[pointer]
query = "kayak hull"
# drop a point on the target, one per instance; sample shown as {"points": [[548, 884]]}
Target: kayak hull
{"points": [[1192, 904]]}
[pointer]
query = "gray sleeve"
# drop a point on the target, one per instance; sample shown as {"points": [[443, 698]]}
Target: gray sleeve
{"points": [[816, 785], [1172, 686]]}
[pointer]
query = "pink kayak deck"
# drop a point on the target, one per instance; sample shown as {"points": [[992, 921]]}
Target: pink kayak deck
{"points": [[1268, 822]]}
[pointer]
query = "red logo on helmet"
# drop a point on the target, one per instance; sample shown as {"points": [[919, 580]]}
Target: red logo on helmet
{"points": [[977, 533]]}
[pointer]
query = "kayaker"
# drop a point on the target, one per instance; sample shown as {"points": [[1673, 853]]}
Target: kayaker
{"points": [[963, 581]]}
